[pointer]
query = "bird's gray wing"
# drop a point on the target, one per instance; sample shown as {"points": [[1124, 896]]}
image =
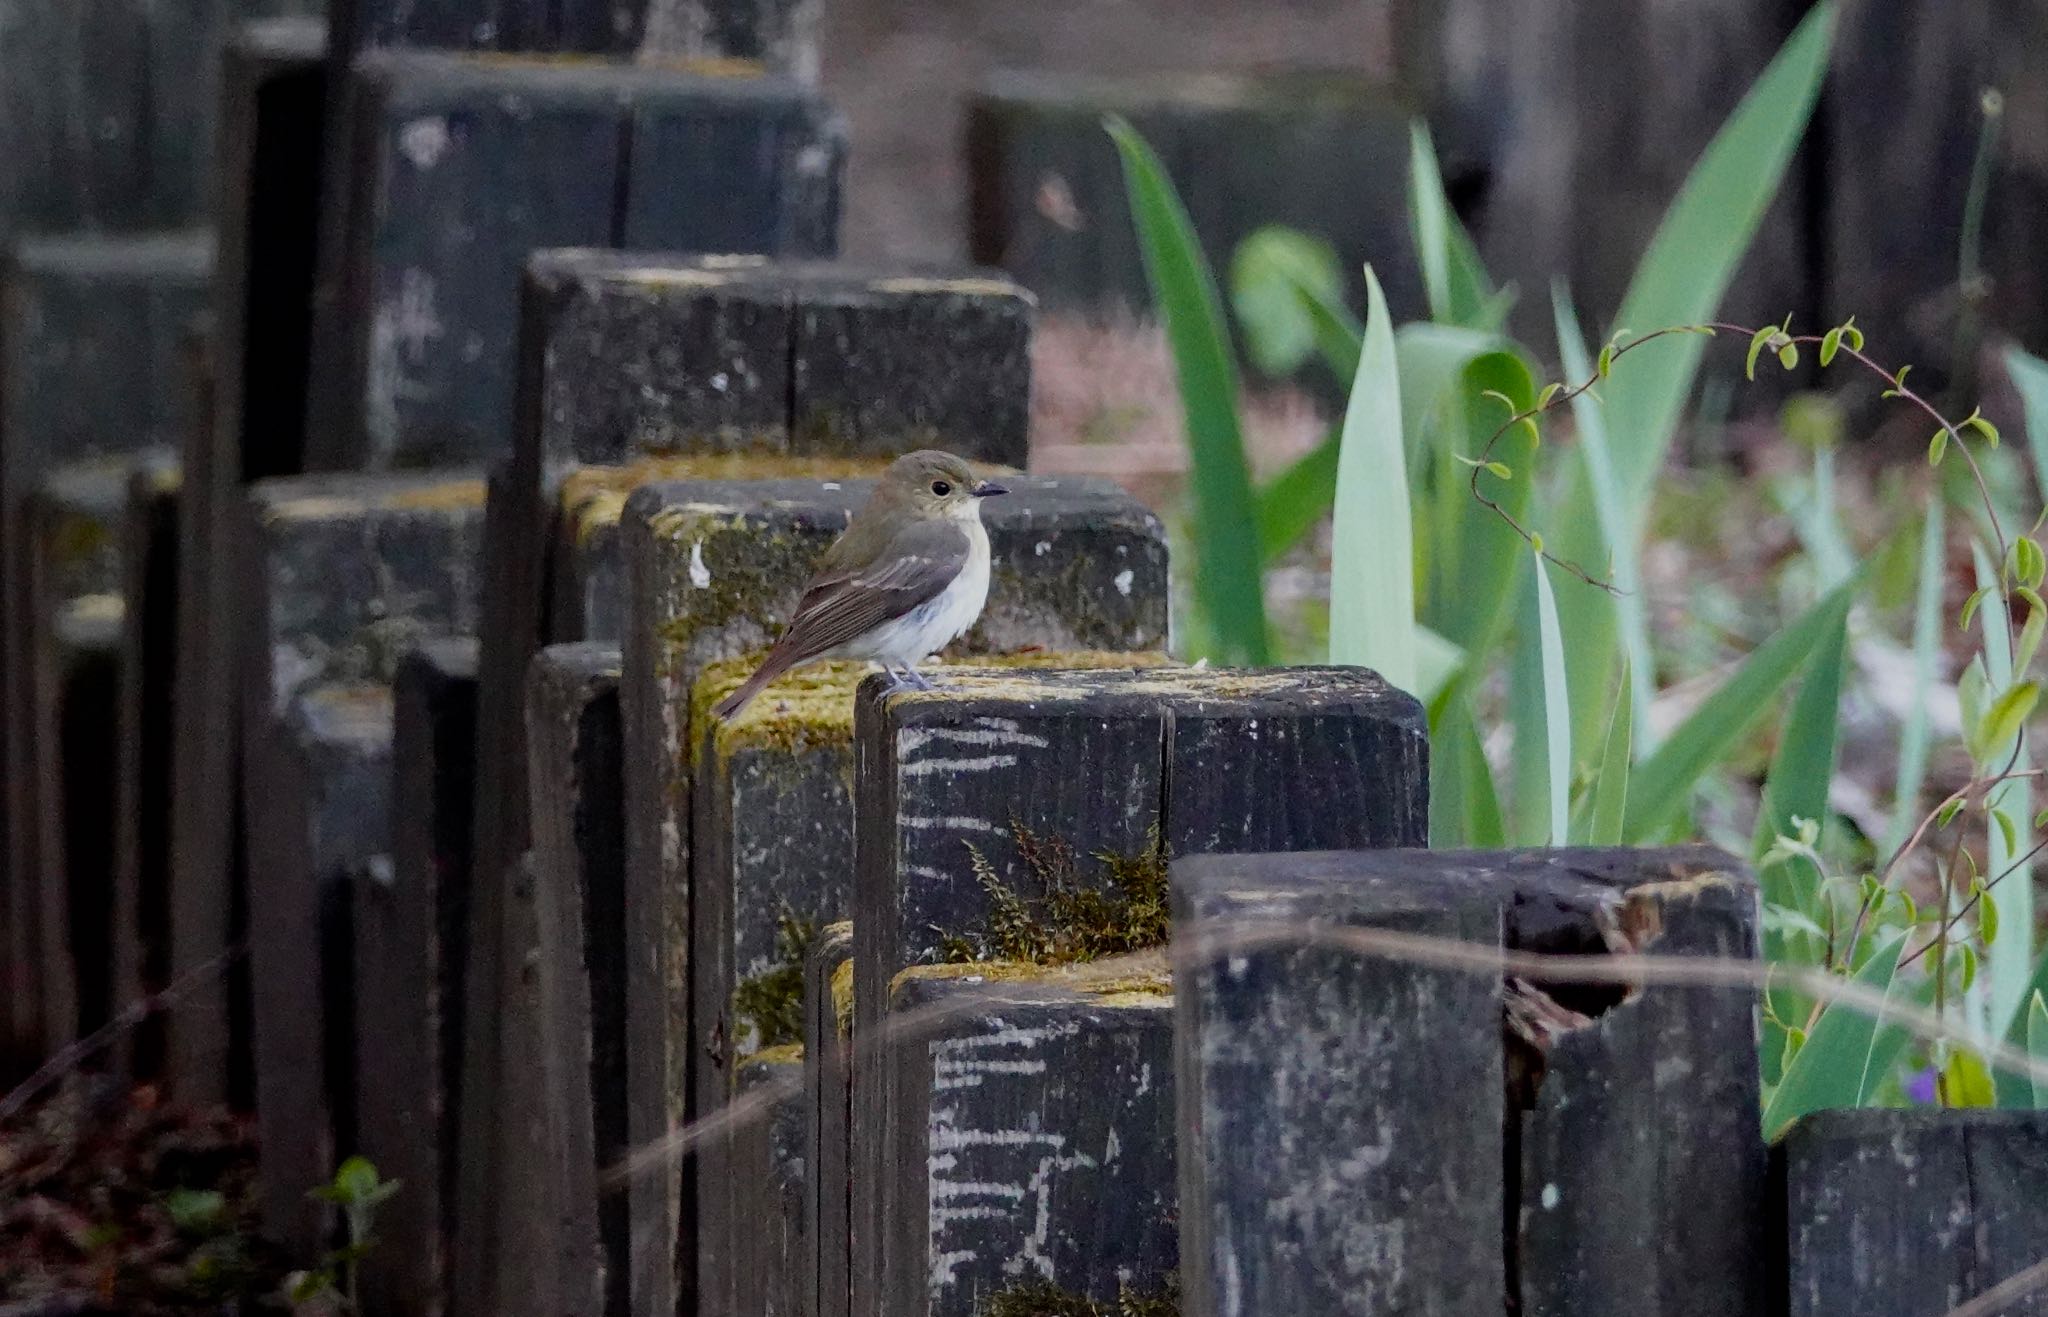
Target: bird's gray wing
{"points": [[919, 563]]}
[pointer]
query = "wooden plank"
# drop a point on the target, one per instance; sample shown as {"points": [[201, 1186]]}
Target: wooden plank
{"points": [[458, 167], [1320, 1172], [578, 862], [410, 923], [1911, 1213], [1029, 1137], [70, 636], [317, 799], [1078, 565], [148, 717], [771, 1185], [828, 1095], [273, 91], [965, 787]]}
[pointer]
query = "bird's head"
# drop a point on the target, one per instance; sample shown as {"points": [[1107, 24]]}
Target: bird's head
{"points": [[938, 485]]}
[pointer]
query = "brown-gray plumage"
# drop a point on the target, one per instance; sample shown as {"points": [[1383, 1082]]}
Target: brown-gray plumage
{"points": [[907, 576]]}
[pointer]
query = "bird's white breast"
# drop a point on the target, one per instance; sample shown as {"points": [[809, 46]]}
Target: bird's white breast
{"points": [[942, 619]]}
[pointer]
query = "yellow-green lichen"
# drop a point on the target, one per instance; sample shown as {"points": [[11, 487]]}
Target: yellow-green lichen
{"points": [[842, 997], [1072, 922], [780, 1054], [454, 495], [1143, 981], [768, 1009], [805, 709], [1042, 1298]]}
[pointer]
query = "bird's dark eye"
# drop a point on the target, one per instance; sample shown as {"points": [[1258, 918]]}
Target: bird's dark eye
{"points": [[941, 488]]}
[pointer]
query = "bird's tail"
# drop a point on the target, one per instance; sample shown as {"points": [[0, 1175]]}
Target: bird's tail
{"points": [[771, 667]]}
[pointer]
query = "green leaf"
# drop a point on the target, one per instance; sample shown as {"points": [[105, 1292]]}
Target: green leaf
{"points": [[1456, 285], [1663, 783], [2008, 713], [1294, 501], [1701, 241], [1610, 788], [2030, 379], [1372, 571], [1464, 809], [2037, 1047], [1275, 274], [2015, 1089], [1802, 768], [1228, 567], [1987, 905], [1830, 344], [1966, 1080], [1557, 716], [1937, 448], [1756, 348], [196, 1211], [1847, 1053], [1620, 524]]}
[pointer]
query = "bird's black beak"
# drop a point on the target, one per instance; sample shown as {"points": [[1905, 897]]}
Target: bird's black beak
{"points": [[988, 489]]}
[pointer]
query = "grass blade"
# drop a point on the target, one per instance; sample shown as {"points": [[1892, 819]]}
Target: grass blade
{"points": [[1663, 783], [2030, 379], [1557, 716], [1476, 558], [1294, 501], [2037, 1047], [1926, 654], [1454, 281], [1846, 1056], [2016, 1091], [1372, 557], [1686, 270], [2009, 965], [1610, 787], [1228, 565], [1464, 810], [1803, 767]]}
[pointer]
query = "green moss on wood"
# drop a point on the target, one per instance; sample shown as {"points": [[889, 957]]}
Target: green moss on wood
{"points": [[769, 1007], [1040, 1298], [1072, 922]]}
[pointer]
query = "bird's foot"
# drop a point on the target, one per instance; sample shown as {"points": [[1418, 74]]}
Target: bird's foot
{"points": [[920, 681]]}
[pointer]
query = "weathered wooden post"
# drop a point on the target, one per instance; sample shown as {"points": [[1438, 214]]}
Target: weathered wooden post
{"points": [[828, 1097], [711, 567], [148, 714], [579, 858], [1004, 790], [1611, 1127], [1911, 1213], [344, 575], [461, 166], [266, 203], [90, 369], [408, 918], [771, 1183]]}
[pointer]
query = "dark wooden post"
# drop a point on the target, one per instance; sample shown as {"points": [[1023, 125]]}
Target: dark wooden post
{"points": [[1028, 1137], [266, 203], [343, 576], [579, 857], [711, 566], [409, 923], [771, 1183], [1625, 1162], [89, 368], [828, 1095], [1911, 1213], [148, 717], [958, 788], [462, 166]]}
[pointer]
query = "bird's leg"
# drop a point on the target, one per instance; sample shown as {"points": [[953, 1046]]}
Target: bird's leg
{"points": [[896, 679], [918, 679]]}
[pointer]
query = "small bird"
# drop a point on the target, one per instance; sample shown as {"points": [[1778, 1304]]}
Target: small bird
{"points": [[907, 577]]}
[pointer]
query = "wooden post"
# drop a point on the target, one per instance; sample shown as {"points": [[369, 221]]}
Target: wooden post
{"points": [[318, 808], [710, 566], [273, 93], [578, 861], [148, 717], [1314, 151], [828, 1095], [771, 1185], [71, 638], [1340, 1114], [409, 922], [780, 34], [1911, 1213], [1626, 1156], [343, 576], [89, 368], [1028, 1136], [459, 167]]}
